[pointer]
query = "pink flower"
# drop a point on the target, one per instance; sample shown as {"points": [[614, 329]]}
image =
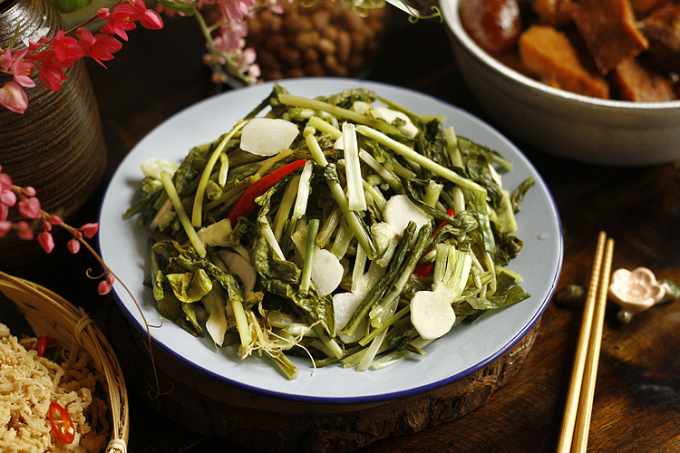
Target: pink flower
{"points": [[231, 37], [4, 212], [245, 61], [5, 226], [103, 13], [122, 19], [5, 180], [30, 208], [24, 231], [150, 19], [6, 59], [46, 241], [235, 10], [50, 73], [73, 245], [51, 76], [66, 50], [90, 229], [104, 287], [7, 197], [29, 191], [100, 47], [55, 219], [124, 16], [13, 98], [18, 66], [22, 69]]}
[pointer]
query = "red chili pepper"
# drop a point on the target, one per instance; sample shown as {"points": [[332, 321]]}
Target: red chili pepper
{"points": [[43, 344], [245, 205], [423, 270], [61, 422]]}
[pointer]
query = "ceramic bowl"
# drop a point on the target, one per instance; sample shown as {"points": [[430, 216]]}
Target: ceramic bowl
{"points": [[561, 123]]}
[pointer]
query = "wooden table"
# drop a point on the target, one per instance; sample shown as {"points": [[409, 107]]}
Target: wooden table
{"points": [[637, 401]]}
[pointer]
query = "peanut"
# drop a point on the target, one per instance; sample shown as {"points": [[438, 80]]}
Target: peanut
{"points": [[321, 19], [330, 32], [307, 39], [344, 46], [326, 46], [324, 39]]}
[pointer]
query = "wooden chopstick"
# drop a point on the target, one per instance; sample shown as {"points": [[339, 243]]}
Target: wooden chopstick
{"points": [[576, 421]]}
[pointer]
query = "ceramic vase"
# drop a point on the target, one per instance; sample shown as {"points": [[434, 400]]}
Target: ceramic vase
{"points": [[57, 145]]}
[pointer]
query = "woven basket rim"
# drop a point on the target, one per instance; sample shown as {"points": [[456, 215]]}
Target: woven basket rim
{"points": [[50, 314]]}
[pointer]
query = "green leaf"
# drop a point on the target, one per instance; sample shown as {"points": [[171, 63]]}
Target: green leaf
{"points": [[520, 192], [69, 6], [190, 286], [170, 307], [179, 6]]}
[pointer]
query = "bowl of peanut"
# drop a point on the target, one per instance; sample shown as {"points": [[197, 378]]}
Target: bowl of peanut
{"points": [[315, 40], [594, 81]]}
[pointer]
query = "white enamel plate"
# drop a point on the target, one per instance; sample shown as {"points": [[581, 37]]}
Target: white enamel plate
{"points": [[464, 350]]}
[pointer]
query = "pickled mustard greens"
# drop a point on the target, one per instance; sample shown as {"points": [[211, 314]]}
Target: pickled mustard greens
{"points": [[357, 240]]}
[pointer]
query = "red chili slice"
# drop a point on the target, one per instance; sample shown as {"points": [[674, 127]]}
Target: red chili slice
{"points": [[246, 203], [423, 270], [61, 422], [43, 344]]}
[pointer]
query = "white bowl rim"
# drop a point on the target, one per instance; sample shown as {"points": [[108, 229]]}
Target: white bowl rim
{"points": [[450, 11]]}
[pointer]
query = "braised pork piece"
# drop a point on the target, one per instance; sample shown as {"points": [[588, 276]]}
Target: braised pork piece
{"points": [[610, 49]]}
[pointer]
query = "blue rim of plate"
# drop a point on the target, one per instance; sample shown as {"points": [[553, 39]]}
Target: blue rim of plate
{"points": [[554, 238]]}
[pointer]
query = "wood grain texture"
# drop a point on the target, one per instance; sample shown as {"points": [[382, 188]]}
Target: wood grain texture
{"points": [[205, 406], [637, 397]]}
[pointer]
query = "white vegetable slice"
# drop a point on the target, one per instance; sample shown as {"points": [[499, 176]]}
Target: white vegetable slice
{"points": [[327, 272], [389, 115], [303, 191], [154, 167], [267, 136], [216, 324], [431, 316], [355, 189], [239, 266], [386, 241], [399, 211], [216, 234], [344, 305], [407, 128]]}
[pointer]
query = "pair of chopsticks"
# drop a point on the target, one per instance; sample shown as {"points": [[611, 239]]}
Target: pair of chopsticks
{"points": [[576, 422]]}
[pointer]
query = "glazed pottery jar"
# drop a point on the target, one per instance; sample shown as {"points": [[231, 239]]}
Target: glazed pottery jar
{"points": [[57, 145]]}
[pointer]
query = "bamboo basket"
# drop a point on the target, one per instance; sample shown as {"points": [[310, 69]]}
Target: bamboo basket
{"points": [[51, 315]]}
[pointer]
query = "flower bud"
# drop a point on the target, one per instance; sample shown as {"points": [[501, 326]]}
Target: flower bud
{"points": [[73, 246], [103, 288], [24, 231], [5, 226], [30, 208], [46, 241], [103, 13], [90, 229]]}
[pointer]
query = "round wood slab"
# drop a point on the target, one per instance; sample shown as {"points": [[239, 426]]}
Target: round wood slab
{"points": [[205, 406]]}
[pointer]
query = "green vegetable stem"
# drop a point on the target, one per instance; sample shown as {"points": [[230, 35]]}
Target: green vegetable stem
{"points": [[345, 229]]}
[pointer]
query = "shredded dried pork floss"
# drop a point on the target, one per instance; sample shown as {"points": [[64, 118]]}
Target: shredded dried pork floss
{"points": [[28, 384]]}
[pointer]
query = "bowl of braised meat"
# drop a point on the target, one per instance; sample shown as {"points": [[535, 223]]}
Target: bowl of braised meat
{"points": [[595, 81]]}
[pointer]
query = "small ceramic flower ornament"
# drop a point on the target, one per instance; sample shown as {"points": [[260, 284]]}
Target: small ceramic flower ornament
{"points": [[639, 290]]}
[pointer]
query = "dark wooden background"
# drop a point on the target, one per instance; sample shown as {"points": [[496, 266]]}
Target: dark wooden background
{"points": [[637, 401]]}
